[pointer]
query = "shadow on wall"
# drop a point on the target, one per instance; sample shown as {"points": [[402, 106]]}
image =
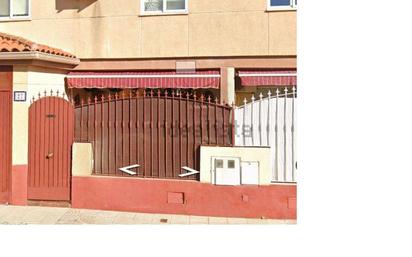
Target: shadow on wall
{"points": [[78, 5]]}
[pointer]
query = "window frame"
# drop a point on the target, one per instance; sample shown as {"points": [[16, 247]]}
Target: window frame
{"points": [[293, 6], [17, 18], [164, 11]]}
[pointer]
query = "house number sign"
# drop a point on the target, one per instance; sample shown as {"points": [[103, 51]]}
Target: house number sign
{"points": [[20, 96]]}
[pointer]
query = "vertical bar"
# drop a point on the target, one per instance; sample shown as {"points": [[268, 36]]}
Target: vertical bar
{"points": [[277, 137], [208, 120], [260, 119], [194, 132], [95, 135], [252, 127], [151, 133], [224, 125], [284, 135], [268, 119], [187, 128], [216, 124], [158, 133], [172, 135], [165, 125], [180, 133], [144, 134], [244, 122], [137, 129], [293, 133], [102, 134]]}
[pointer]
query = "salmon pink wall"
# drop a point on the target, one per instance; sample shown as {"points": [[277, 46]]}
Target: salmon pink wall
{"points": [[184, 197]]}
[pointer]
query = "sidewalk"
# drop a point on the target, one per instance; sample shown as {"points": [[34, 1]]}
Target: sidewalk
{"points": [[54, 215]]}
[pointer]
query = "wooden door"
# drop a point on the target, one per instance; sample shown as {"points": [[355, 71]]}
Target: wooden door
{"points": [[51, 125], [5, 131]]}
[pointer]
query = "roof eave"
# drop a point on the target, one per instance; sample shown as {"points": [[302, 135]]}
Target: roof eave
{"points": [[39, 56]]}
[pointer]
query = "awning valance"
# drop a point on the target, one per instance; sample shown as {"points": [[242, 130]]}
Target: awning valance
{"points": [[267, 78], [144, 79]]}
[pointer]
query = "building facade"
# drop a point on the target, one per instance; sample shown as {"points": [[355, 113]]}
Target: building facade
{"points": [[94, 50]]}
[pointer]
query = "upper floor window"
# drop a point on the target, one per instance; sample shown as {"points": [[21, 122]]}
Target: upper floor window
{"points": [[282, 4], [163, 6], [14, 9]]}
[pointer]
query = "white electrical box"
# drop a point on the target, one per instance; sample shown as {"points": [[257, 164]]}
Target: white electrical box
{"points": [[226, 170], [249, 173]]}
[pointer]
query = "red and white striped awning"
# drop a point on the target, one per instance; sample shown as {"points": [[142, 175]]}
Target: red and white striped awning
{"points": [[267, 78], [144, 79]]}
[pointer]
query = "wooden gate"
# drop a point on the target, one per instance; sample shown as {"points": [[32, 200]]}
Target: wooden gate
{"points": [[51, 125], [5, 132], [160, 132]]}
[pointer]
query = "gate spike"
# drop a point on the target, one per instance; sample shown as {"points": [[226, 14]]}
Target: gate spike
{"points": [[82, 101], [89, 101], [130, 94], [158, 93], [102, 97], [187, 95], [209, 99], [122, 94], [144, 93], [32, 100], [216, 100], [286, 91], [51, 92], [116, 95], [277, 92], [64, 95], [194, 96], [109, 97], [95, 99], [253, 98], [202, 97], [45, 92], [245, 101], [294, 90], [151, 92], [173, 93], [57, 92], [260, 96], [166, 93], [269, 93], [39, 95]]}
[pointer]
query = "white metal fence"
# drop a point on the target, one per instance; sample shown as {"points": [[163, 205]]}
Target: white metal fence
{"points": [[270, 121]]}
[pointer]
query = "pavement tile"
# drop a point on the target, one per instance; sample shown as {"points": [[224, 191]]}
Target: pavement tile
{"points": [[198, 220], [180, 219], [237, 221], [125, 219], [218, 220]]}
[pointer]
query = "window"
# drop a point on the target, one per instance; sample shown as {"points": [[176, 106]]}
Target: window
{"points": [[14, 9], [163, 6], [282, 4]]}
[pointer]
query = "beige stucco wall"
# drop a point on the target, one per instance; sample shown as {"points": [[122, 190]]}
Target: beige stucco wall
{"points": [[247, 154], [115, 29], [20, 117], [82, 159], [33, 80]]}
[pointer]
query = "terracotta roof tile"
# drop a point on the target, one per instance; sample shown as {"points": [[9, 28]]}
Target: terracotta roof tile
{"points": [[10, 43]]}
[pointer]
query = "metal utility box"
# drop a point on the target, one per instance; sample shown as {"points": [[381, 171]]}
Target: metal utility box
{"points": [[249, 173], [226, 170]]}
